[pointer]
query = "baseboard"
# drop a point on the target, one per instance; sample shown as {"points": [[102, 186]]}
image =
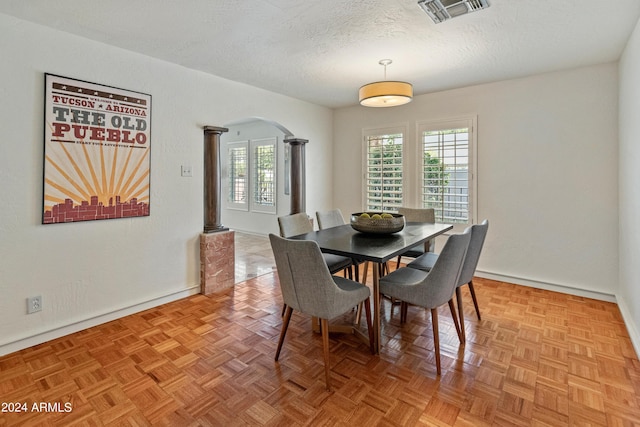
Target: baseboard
{"points": [[634, 334], [62, 330], [532, 283]]}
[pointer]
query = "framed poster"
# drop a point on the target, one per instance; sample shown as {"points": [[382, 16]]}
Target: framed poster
{"points": [[97, 142]]}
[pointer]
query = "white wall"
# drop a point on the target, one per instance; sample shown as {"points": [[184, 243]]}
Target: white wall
{"points": [[547, 173], [92, 271], [248, 220], [629, 193]]}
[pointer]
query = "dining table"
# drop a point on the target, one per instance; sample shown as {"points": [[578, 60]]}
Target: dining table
{"points": [[376, 248]]}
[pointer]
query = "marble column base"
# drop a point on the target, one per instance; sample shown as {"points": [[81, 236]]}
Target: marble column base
{"points": [[217, 261]]}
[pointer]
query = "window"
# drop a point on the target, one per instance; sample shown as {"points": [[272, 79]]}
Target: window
{"points": [[263, 175], [383, 170], [447, 167], [252, 175], [238, 179]]}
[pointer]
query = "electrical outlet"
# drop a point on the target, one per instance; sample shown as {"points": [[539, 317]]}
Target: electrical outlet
{"points": [[186, 171], [34, 304]]}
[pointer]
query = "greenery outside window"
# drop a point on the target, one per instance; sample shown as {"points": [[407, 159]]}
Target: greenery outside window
{"points": [[263, 183], [447, 170]]}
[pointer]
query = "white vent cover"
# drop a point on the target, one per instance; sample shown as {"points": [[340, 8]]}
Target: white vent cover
{"points": [[441, 10]]}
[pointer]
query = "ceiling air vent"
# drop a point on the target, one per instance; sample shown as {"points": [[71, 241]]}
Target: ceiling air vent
{"points": [[441, 10]]}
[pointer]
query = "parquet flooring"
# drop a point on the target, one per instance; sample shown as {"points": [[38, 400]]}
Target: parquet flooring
{"points": [[537, 358]]}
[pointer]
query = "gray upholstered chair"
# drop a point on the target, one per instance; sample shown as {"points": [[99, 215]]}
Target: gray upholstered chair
{"points": [[308, 287], [427, 261], [328, 219], [418, 215], [334, 218], [292, 225], [433, 289]]}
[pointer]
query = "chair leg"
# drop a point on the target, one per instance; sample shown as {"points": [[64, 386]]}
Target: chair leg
{"points": [[475, 300], [324, 325], [436, 338], [461, 314], [358, 314], [284, 308], [454, 316], [364, 272], [404, 307], [285, 325], [367, 312]]}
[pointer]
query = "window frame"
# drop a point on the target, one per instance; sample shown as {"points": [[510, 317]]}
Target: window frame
{"points": [[231, 204], [379, 132], [255, 206], [469, 122]]}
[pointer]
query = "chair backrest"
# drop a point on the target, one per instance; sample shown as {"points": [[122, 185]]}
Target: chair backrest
{"points": [[440, 284], [478, 233], [418, 215], [305, 280], [328, 219], [421, 215], [292, 225]]}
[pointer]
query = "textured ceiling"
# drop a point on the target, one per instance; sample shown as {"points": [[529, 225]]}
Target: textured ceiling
{"points": [[323, 51]]}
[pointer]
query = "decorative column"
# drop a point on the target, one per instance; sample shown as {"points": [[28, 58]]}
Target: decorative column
{"points": [[217, 243], [297, 181], [212, 179]]}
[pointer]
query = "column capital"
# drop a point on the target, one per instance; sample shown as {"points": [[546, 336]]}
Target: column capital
{"points": [[296, 141], [215, 129]]}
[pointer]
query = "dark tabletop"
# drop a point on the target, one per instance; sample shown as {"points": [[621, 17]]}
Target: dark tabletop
{"points": [[344, 240]]}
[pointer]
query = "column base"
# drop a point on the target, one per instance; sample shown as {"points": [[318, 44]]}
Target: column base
{"points": [[217, 261]]}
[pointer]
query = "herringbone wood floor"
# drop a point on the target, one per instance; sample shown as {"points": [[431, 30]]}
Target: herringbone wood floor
{"points": [[537, 358]]}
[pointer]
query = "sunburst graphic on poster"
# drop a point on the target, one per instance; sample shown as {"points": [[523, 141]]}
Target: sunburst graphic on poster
{"points": [[97, 151]]}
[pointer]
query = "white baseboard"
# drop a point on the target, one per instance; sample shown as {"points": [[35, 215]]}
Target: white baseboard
{"points": [[62, 330], [634, 334]]}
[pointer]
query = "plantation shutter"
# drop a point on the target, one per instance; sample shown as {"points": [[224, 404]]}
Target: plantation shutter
{"points": [[238, 164], [264, 175], [384, 169], [447, 172]]}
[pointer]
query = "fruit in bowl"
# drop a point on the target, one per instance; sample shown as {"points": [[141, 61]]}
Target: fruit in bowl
{"points": [[377, 222]]}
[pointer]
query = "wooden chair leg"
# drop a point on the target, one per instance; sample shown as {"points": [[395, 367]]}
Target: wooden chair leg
{"points": [[364, 273], [454, 316], [404, 307], [475, 300], [285, 325], [284, 309], [436, 338], [324, 325], [461, 315], [358, 314], [367, 312]]}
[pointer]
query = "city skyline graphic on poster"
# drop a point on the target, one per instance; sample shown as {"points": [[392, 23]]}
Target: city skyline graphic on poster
{"points": [[97, 152]]}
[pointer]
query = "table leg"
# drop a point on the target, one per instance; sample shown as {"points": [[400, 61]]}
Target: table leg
{"points": [[376, 308]]}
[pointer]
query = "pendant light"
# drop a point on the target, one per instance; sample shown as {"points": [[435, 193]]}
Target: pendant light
{"points": [[385, 93]]}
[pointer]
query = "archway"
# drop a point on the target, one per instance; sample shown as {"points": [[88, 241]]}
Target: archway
{"points": [[252, 222]]}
